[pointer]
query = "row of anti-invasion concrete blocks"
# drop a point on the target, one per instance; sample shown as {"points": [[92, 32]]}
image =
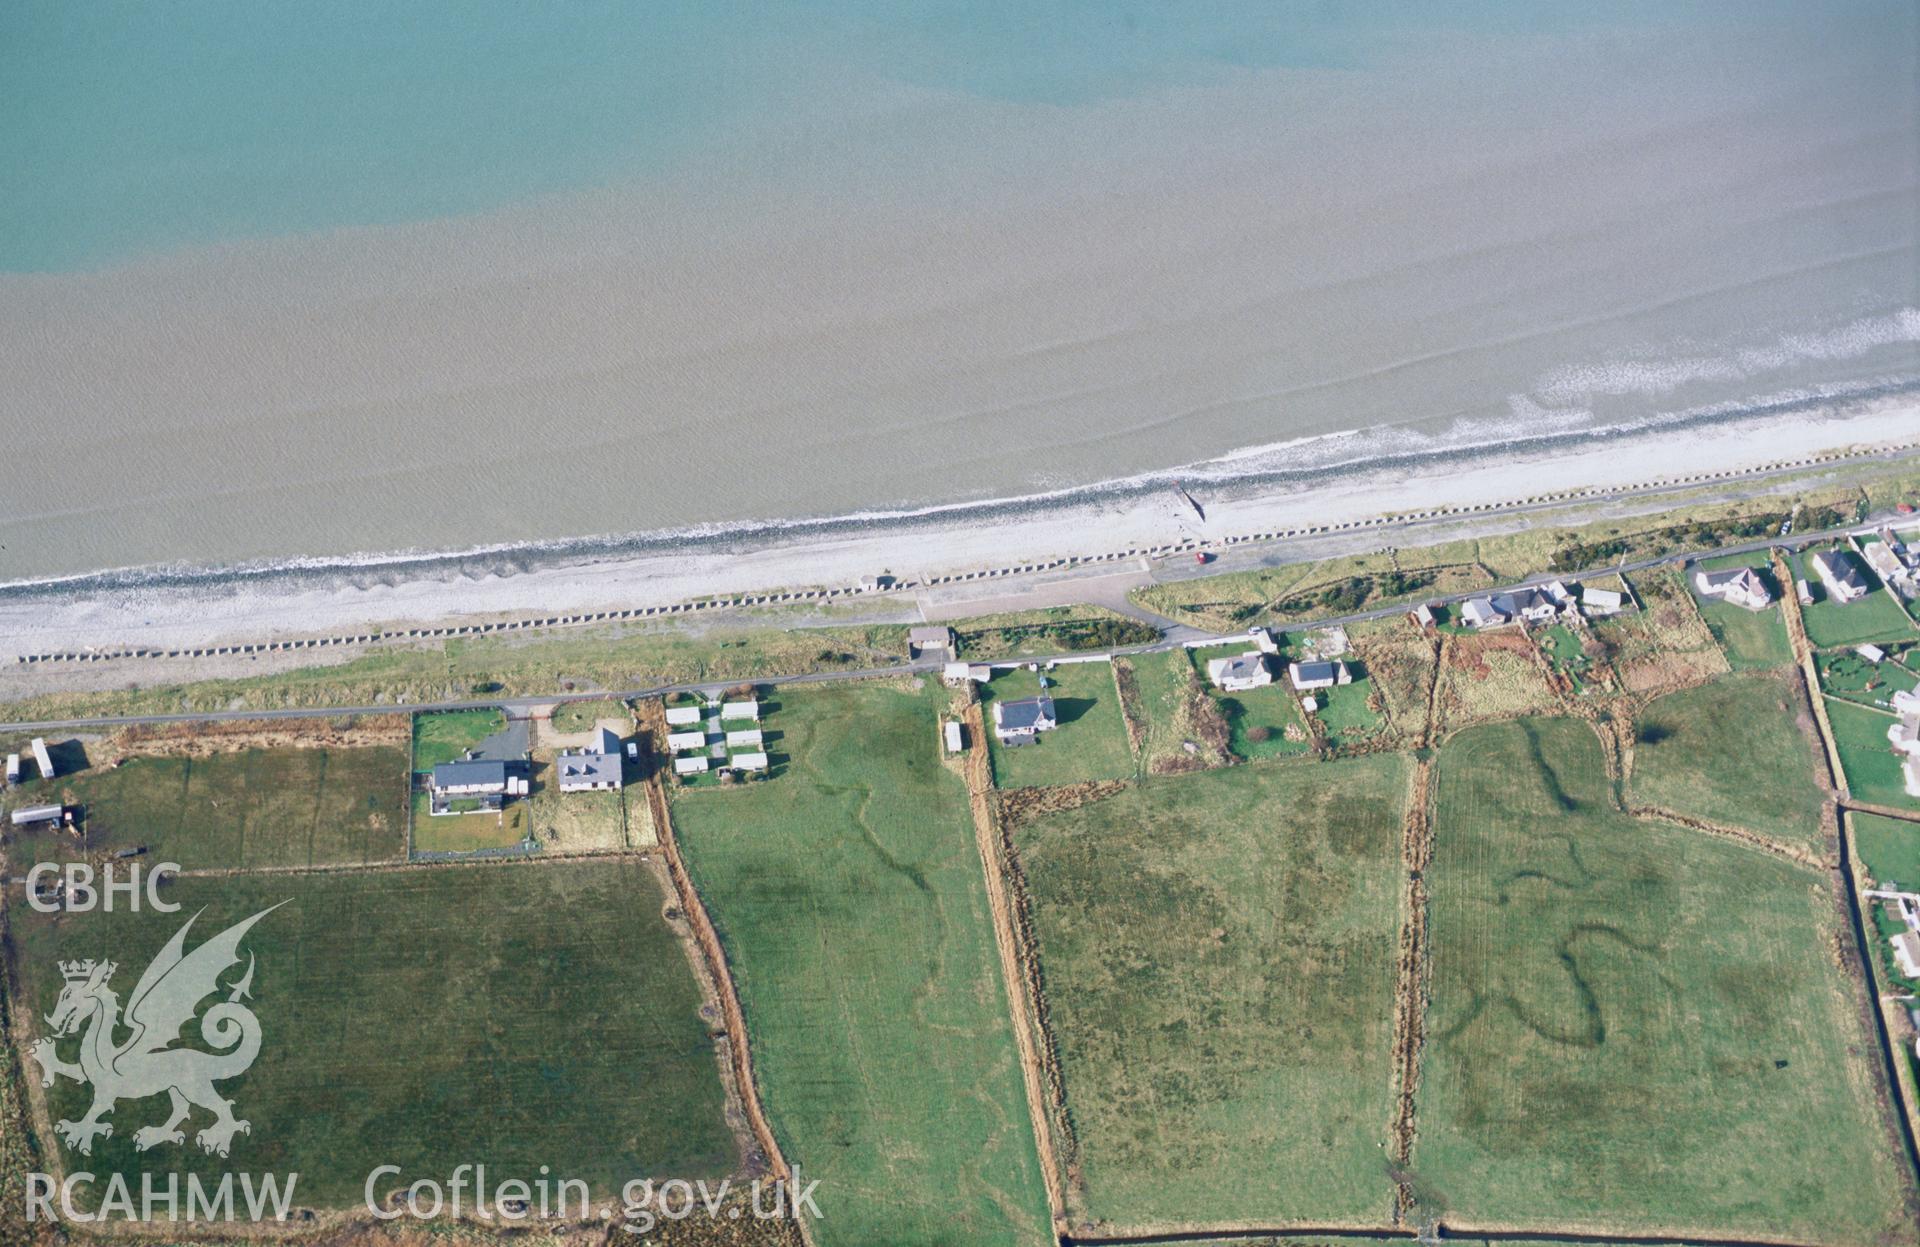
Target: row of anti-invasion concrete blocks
{"points": [[1020, 569]]}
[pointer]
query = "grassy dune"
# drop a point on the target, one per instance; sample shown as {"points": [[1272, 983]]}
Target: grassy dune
{"points": [[1635, 1026]]}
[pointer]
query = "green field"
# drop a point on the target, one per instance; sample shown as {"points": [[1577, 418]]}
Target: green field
{"points": [[850, 898], [524, 1015], [1635, 1027], [1889, 848], [1876, 617], [447, 735], [1866, 755], [1739, 752], [1751, 639], [1091, 741], [252, 808], [1219, 953]]}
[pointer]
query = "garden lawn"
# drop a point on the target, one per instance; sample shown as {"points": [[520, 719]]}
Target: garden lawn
{"points": [[1091, 741], [1867, 756], [1889, 848], [1750, 639]]}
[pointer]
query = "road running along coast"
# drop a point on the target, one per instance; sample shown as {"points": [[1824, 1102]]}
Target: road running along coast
{"points": [[1173, 635]]}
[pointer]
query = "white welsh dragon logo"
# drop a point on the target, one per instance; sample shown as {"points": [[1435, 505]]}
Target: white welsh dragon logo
{"points": [[145, 1063]]}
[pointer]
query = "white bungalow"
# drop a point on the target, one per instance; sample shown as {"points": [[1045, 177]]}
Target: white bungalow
{"points": [[1601, 601], [1740, 586], [1481, 613], [1240, 672]]}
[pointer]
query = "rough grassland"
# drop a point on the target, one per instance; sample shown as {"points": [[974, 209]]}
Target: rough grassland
{"points": [[1169, 709], [1634, 1026], [1091, 741], [1751, 639], [1889, 849], [527, 1015], [850, 898], [1867, 757], [1738, 752], [1494, 675], [253, 808], [1218, 952]]}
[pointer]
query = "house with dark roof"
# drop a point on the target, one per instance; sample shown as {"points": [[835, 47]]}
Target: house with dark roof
{"points": [[1018, 722], [1841, 576], [1311, 675], [1483, 613]]}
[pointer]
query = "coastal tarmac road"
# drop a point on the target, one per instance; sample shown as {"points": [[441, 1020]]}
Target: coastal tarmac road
{"points": [[1173, 635]]}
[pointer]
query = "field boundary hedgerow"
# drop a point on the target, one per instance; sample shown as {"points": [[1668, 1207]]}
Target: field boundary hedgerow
{"points": [[1019, 963], [1413, 986], [709, 960]]}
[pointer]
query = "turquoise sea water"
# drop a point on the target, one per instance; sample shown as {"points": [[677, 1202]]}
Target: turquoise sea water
{"points": [[132, 127], [345, 278]]}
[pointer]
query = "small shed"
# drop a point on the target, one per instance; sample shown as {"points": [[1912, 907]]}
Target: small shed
{"points": [[956, 739], [930, 641], [1872, 653], [1423, 615]]}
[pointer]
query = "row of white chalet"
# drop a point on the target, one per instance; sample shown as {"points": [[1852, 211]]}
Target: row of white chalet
{"points": [[730, 739]]}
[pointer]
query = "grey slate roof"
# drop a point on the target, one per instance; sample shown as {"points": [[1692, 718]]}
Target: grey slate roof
{"points": [[1028, 712], [470, 773]]}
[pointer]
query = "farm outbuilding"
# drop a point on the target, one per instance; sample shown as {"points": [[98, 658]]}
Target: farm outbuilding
{"points": [[956, 741], [930, 641], [1312, 675]]}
